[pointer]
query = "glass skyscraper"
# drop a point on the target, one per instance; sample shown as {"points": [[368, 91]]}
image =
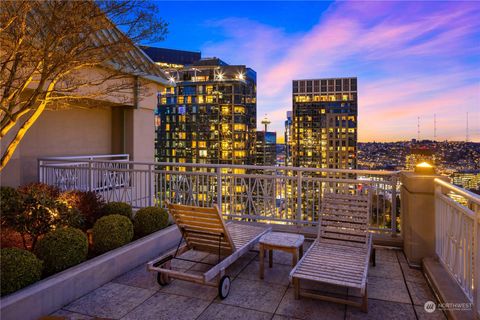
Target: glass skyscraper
{"points": [[324, 123], [209, 116]]}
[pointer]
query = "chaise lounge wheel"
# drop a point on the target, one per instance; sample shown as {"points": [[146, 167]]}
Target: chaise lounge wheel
{"points": [[164, 279], [224, 287]]}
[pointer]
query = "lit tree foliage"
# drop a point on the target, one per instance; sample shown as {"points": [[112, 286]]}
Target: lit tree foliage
{"points": [[48, 47]]}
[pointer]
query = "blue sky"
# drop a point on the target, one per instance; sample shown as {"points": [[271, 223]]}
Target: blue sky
{"points": [[412, 59]]}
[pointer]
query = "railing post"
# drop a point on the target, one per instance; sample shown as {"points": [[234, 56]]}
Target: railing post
{"points": [[418, 215], [90, 176], [219, 189], [40, 173], [299, 196], [150, 186], [394, 207]]}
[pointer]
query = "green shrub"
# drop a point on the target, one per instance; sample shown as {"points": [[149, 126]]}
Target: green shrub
{"points": [[19, 268], [10, 202], [88, 203], [111, 232], [148, 220], [121, 208], [39, 213], [61, 249]]}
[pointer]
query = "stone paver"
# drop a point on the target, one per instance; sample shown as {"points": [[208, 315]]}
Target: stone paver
{"points": [[385, 289], [112, 300], [309, 309], [139, 277], [256, 295], [420, 293], [386, 255], [382, 310], [323, 288], [277, 275], [70, 315], [412, 274], [280, 317], [279, 257], [401, 256], [218, 311], [395, 291], [190, 289], [385, 269], [168, 307], [234, 270]]}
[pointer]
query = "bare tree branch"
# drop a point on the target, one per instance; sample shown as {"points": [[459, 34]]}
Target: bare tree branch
{"points": [[46, 46]]}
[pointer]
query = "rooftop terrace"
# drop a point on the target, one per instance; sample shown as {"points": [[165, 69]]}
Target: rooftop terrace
{"points": [[413, 218], [396, 291]]}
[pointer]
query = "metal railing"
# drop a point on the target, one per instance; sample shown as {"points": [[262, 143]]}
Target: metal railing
{"points": [[457, 234], [284, 195], [76, 172]]}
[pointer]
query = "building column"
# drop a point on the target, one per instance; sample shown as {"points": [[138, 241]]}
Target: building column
{"points": [[418, 215]]}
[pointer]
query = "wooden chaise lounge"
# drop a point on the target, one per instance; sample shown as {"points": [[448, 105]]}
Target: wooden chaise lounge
{"points": [[203, 229], [340, 255]]}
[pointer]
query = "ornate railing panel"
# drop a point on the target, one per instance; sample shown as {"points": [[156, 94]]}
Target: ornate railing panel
{"points": [[285, 195], [457, 233]]}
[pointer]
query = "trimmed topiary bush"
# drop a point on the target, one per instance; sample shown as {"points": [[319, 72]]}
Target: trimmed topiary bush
{"points": [[61, 249], [19, 268], [148, 220], [121, 208], [111, 232]]}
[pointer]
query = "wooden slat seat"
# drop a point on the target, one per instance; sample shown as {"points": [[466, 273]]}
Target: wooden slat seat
{"points": [[341, 252], [203, 229]]}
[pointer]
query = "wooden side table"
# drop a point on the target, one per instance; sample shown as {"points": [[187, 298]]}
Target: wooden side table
{"points": [[288, 242]]}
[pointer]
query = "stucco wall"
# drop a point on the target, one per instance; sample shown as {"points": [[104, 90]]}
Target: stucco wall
{"points": [[75, 131]]}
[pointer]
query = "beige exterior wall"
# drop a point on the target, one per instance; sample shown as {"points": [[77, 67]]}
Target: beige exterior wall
{"points": [[69, 132], [84, 131]]}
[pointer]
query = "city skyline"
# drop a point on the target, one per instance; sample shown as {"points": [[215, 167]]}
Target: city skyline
{"points": [[411, 59]]}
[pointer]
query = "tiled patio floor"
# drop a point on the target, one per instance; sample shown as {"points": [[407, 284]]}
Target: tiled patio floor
{"points": [[395, 292]]}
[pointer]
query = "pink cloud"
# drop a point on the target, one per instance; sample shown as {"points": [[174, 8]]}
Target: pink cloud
{"points": [[410, 58]]}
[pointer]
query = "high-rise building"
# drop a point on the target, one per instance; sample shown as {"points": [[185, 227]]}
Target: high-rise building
{"points": [[324, 129], [288, 138], [210, 114], [266, 148]]}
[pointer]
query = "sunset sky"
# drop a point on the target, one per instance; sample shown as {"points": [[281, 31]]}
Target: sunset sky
{"points": [[412, 59]]}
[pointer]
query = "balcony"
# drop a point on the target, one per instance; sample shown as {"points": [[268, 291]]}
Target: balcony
{"points": [[288, 199]]}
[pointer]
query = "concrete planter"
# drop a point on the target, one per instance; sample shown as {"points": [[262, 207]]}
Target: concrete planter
{"points": [[50, 294]]}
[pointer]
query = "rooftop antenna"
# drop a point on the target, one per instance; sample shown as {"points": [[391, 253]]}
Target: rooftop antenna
{"points": [[418, 128], [266, 122], [434, 127], [467, 137]]}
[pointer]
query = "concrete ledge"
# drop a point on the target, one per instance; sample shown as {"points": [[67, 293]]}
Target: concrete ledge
{"points": [[446, 288], [52, 293]]}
